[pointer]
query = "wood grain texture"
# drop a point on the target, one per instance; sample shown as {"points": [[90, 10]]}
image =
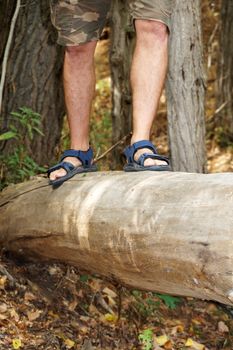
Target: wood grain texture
{"points": [[121, 51], [34, 77], [185, 89], [225, 69], [165, 232]]}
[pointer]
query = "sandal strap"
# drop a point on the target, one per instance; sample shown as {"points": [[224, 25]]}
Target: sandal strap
{"points": [[67, 166], [145, 156], [84, 156], [131, 150]]}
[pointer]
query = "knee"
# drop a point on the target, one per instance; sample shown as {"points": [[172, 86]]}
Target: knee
{"points": [[151, 30], [87, 50]]}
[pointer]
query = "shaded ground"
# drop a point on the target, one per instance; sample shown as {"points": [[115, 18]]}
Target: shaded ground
{"points": [[56, 307]]}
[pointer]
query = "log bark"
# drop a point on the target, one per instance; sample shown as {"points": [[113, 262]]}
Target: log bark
{"points": [[185, 89], [170, 232]]}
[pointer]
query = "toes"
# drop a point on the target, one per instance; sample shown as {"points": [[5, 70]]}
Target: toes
{"points": [[151, 162], [56, 174], [61, 172]]}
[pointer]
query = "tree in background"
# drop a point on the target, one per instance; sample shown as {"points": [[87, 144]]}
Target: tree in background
{"points": [[33, 76], [186, 89], [225, 78], [120, 60], [185, 86]]}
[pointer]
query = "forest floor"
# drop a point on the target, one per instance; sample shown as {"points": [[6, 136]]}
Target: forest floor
{"points": [[55, 306]]}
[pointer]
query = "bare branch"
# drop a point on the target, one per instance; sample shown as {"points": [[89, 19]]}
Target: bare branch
{"points": [[120, 142]]}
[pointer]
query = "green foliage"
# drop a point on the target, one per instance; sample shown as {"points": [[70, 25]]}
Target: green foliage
{"points": [[17, 165], [146, 338], [84, 278], [170, 301], [146, 307], [29, 121], [7, 135]]}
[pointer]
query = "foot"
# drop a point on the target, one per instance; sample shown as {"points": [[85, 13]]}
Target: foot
{"points": [[149, 161], [62, 172]]}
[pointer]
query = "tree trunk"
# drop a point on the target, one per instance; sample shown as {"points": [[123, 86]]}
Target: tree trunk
{"points": [[120, 59], [33, 76], [168, 232], [225, 79], [185, 89], [6, 13]]}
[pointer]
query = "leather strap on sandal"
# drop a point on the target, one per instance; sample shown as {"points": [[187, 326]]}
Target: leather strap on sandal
{"points": [[84, 156], [131, 150]]}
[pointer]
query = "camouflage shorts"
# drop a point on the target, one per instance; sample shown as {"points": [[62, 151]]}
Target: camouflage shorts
{"points": [[81, 21]]}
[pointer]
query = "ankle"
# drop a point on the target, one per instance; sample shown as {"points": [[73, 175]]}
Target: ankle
{"points": [[136, 138], [80, 146]]}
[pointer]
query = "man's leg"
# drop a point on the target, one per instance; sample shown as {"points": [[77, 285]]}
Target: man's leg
{"points": [[79, 25], [148, 73], [79, 86]]}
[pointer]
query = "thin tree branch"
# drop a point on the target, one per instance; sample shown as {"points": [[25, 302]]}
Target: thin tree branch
{"points": [[120, 142], [7, 50], [219, 109]]}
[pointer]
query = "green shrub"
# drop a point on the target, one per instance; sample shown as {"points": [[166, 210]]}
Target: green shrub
{"points": [[17, 165]]}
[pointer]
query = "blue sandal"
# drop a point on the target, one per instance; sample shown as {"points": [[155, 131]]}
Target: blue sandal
{"points": [[133, 165], [85, 157]]}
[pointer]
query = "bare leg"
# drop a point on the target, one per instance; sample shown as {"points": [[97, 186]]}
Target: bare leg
{"points": [[148, 73], [79, 86]]}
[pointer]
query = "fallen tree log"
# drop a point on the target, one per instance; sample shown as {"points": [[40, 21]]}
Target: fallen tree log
{"points": [[165, 232]]}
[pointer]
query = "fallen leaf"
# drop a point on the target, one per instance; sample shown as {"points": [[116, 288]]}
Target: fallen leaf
{"points": [[3, 317], [109, 292], [110, 318], [33, 315], [69, 343], [29, 296], [3, 280], [162, 339], [177, 329], [222, 327], [195, 345], [16, 343], [83, 329], [196, 322], [168, 345], [72, 305], [52, 270], [96, 284], [52, 314], [110, 300], [14, 315], [3, 307]]}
